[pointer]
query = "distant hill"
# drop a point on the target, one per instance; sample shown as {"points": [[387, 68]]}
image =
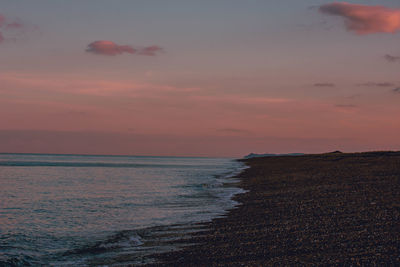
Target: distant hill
{"points": [[253, 155], [336, 152]]}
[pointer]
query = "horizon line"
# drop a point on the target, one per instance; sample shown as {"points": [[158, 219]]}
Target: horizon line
{"points": [[102, 155]]}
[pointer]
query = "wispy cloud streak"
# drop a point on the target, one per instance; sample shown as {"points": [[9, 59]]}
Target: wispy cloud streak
{"points": [[109, 48], [150, 50], [376, 84], [392, 59], [324, 84]]}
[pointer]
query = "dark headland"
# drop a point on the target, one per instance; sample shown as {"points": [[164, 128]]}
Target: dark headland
{"points": [[326, 209]]}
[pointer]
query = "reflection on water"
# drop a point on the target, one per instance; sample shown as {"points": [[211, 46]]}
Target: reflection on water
{"points": [[70, 209]]}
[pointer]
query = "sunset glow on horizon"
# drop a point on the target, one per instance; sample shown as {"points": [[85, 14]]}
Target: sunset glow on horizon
{"points": [[219, 78]]}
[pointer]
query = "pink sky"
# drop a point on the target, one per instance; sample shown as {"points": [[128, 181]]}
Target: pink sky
{"points": [[310, 80]]}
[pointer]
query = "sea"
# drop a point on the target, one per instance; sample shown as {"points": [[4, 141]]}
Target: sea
{"points": [[86, 210]]}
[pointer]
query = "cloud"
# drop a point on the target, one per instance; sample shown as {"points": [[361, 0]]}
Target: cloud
{"points": [[150, 50], [379, 84], [14, 25], [396, 90], [363, 19], [10, 29], [109, 48], [392, 59], [324, 84]]}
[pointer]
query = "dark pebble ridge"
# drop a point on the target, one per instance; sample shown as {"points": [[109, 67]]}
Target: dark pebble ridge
{"points": [[333, 209]]}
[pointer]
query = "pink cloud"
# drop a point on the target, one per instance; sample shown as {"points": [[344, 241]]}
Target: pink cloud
{"points": [[10, 29], [15, 25], [110, 48], [363, 19]]}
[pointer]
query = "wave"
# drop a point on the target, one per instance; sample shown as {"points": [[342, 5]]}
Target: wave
{"points": [[122, 239], [133, 246]]}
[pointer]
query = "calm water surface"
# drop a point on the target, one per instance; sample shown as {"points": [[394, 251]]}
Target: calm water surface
{"points": [[68, 210]]}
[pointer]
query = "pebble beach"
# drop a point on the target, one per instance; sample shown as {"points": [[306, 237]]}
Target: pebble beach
{"points": [[324, 209]]}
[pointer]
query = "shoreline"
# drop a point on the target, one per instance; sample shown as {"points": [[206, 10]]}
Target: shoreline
{"points": [[329, 209]]}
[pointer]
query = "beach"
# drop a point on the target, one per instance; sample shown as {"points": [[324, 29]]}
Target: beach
{"points": [[324, 209]]}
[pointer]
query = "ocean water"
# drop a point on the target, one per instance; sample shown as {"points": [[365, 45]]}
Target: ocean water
{"points": [[77, 210]]}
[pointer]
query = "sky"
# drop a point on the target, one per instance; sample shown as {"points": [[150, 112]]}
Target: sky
{"points": [[199, 78]]}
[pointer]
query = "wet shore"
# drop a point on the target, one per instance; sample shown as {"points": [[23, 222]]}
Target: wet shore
{"points": [[327, 209]]}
